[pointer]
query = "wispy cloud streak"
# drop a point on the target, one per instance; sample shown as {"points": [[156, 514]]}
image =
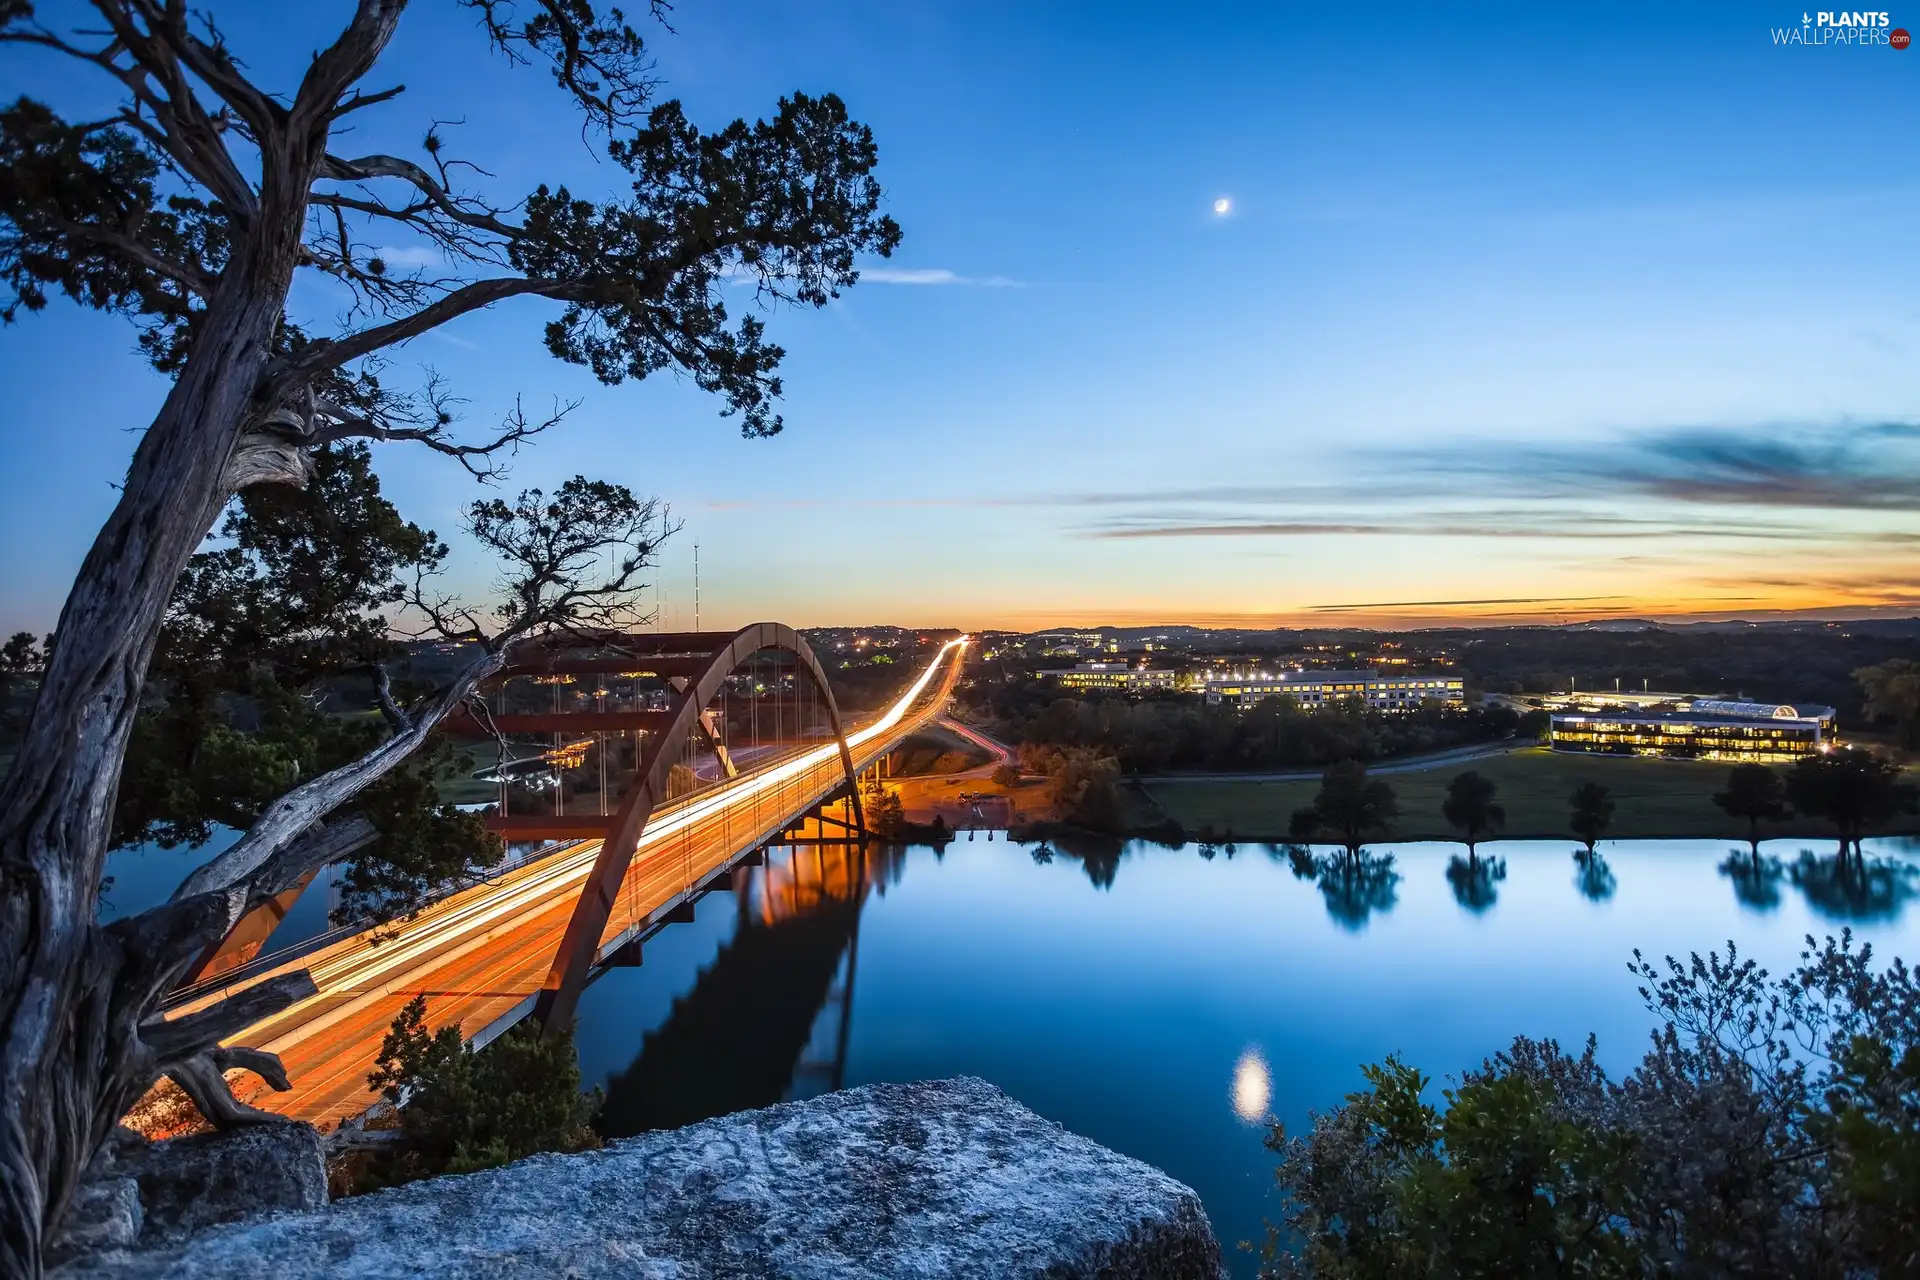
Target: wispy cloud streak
{"points": [[1544, 527], [1836, 467], [932, 276], [1455, 604]]}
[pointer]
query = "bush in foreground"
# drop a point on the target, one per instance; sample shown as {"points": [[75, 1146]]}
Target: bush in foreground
{"points": [[1772, 1129], [463, 1109]]}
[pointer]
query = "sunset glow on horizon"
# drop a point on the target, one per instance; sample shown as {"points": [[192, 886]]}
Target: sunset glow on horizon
{"points": [[1566, 319]]}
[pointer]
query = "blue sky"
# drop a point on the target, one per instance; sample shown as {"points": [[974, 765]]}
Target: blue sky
{"points": [[1573, 310]]}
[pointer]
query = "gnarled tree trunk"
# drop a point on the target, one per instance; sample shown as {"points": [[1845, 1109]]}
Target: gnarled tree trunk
{"points": [[72, 1058]]}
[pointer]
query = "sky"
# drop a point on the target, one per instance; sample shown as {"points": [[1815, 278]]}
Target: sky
{"points": [[1540, 313]]}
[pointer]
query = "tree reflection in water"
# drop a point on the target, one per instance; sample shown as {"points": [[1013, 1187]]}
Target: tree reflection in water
{"points": [[1099, 856], [1593, 877], [1472, 880], [1756, 879], [1354, 885], [1855, 888]]}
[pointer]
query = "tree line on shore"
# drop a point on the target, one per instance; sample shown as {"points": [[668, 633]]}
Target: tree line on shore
{"points": [[1853, 789], [1179, 732]]}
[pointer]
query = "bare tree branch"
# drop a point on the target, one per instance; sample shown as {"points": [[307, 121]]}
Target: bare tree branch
{"points": [[397, 720], [173, 1039], [476, 458], [203, 1082], [477, 296], [465, 211], [311, 801], [191, 136], [267, 1066], [334, 70], [604, 65]]}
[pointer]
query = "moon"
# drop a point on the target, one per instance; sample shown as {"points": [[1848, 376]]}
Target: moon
{"points": [[1223, 206]]}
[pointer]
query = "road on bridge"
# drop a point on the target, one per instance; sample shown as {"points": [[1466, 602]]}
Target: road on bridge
{"points": [[481, 955]]}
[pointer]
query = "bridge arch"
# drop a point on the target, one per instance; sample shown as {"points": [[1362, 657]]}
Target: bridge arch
{"points": [[709, 659]]}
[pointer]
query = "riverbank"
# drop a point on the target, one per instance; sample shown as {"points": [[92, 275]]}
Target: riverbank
{"points": [[1653, 799]]}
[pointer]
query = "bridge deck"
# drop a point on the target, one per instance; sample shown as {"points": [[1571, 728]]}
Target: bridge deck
{"points": [[480, 955]]}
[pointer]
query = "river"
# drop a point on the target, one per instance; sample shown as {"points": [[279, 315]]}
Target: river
{"points": [[1166, 1002]]}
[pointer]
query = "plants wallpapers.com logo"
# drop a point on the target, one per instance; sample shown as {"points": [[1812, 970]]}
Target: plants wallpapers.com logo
{"points": [[1844, 29]]}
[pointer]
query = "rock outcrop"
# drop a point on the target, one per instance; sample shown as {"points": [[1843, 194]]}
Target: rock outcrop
{"points": [[187, 1184], [141, 1193], [947, 1178]]}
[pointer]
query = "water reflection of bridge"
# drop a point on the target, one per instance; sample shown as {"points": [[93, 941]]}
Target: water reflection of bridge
{"points": [[771, 1016]]}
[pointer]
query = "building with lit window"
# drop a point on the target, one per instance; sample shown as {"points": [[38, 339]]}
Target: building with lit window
{"points": [[1119, 676], [1312, 689], [1705, 729]]}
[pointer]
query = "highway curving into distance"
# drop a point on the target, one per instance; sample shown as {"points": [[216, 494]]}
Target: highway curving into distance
{"points": [[481, 954]]}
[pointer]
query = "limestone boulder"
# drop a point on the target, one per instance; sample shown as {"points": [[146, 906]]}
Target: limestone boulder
{"points": [[946, 1178]]}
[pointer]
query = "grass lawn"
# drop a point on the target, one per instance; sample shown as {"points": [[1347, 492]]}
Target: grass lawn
{"points": [[1670, 798]]}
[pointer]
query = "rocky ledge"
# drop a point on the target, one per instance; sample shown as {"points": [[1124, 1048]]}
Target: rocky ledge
{"points": [[947, 1178]]}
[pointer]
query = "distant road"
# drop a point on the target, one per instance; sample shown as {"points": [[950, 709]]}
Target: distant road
{"points": [[1405, 764], [1002, 753]]}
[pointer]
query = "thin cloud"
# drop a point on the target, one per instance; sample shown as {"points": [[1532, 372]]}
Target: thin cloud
{"points": [[1545, 526], [932, 276], [1455, 604], [1836, 467]]}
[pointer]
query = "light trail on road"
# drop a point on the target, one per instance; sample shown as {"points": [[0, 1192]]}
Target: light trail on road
{"points": [[480, 954]]}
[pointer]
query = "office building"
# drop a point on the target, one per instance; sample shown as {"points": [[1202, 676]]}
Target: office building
{"points": [[1705, 729], [1118, 676], [1311, 689]]}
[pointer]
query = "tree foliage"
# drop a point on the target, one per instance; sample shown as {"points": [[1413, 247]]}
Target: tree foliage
{"points": [[466, 1109], [1769, 1130], [253, 679], [886, 815], [1350, 806], [265, 677], [1892, 692], [1179, 731], [1754, 794], [22, 658], [1852, 788], [1590, 812], [1081, 785], [1471, 808]]}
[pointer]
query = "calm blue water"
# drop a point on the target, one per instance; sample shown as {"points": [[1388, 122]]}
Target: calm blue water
{"points": [[1150, 999], [1158, 1000], [145, 875]]}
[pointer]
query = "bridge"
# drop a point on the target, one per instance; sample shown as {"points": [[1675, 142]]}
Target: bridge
{"points": [[595, 877]]}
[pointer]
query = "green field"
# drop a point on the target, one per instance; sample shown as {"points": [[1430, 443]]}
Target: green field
{"points": [[1670, 798]]}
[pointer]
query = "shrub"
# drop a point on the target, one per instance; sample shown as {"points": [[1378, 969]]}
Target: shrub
{"points": [[1773, 1129], [463, 1109]]}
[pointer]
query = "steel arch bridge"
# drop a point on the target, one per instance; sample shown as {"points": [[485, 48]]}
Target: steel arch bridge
{"points": [[697, 666], [525, 940]]}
